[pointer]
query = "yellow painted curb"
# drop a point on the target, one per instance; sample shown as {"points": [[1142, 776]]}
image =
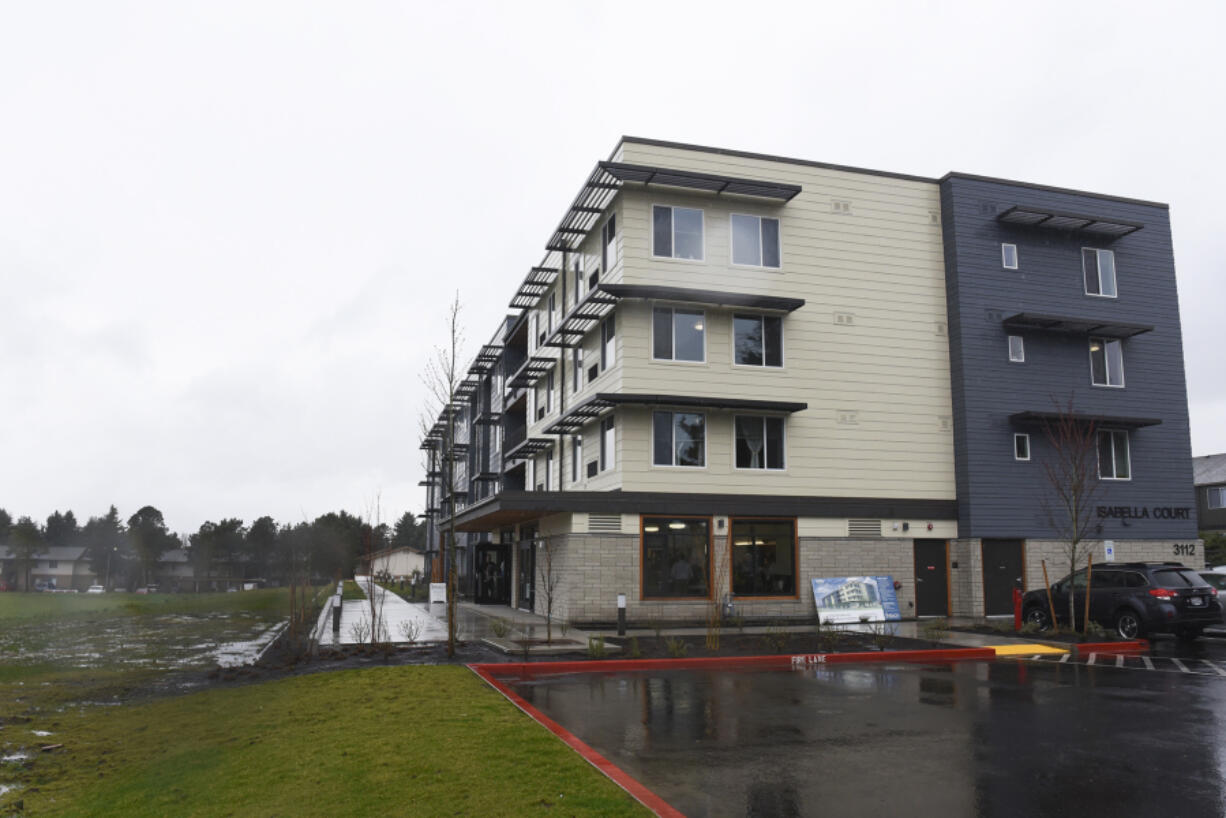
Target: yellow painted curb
{"points": [[1024, 650]]}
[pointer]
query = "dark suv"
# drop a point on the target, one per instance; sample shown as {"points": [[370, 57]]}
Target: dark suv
{"points": [[1132, 599]]}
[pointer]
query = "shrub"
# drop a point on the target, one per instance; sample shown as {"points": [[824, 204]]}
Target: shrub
{"points": [[633, 651], [410, 629], [676, 646], [935, 630], [1095, 631], [777, 639], [500, 627], [595, 647]]}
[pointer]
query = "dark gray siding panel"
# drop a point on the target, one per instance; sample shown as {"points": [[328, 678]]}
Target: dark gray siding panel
{"points": [[998, 496]]}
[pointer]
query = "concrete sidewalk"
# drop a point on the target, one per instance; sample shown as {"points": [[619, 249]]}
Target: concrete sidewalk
{"points": [[396, 614]]}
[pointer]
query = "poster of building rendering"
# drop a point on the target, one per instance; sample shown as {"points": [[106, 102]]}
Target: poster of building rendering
{"points": [[855, 599]]}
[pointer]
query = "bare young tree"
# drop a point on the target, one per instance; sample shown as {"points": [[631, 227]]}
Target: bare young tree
{"points": [[547, 565], [375, 595], [441, 379], [1071, 470]]}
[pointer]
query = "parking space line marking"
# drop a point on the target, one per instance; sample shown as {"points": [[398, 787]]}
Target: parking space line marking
{"points": [[1220, 672], [1180, 665], [1119, 661], [1149, 665], [1091, 660], [1065, 658]]}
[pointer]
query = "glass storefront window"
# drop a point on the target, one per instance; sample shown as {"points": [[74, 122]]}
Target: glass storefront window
{"points": [[676, 557], [763, 557]]}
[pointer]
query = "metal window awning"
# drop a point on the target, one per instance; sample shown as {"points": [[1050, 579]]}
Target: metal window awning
{"points": [[1038, 418], [527, 448], [1070, 222], [531, 370], [488, 418], [468, 387], [710, 182], [717, 298], [607, 178], [535, 284], [487, 477], [582, 318], [598, 404], [1074, 326], [487, 358]]}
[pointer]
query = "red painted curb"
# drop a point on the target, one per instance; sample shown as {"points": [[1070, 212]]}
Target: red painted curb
{"points": [[1111, 648], [704, 662], [614, 773], [620, 777]]}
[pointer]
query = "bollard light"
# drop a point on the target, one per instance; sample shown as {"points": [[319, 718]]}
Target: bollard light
{"points": [[621, 614]]}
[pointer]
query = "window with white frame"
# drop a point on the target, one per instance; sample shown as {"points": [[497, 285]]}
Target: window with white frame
{"points": [[678, 335], [1113, 457], [548, 471], [755, 241], [1017, 349], [1098, 267], [608, 243], [1008, 256], [679, 439], [553, 308], [759, 442], [1021, 447], [608, 444], [1215, 497], [676, 232], [757, 340], [1106, 362], [608, 343]]}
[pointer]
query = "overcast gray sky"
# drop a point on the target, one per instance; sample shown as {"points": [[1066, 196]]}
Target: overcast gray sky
{"points": [[227, 229]]}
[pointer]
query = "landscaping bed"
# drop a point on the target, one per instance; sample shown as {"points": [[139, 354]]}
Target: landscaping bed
{"points": [[828, 640]]}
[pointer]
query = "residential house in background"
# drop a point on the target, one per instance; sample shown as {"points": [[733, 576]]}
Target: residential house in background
{"points": [[1209, 476]]}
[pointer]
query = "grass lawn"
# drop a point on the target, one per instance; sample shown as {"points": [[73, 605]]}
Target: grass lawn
{"points": [[409, 740], [35, 606], [351, 592]]}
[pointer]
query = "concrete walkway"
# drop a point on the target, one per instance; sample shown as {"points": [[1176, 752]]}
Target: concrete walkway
{"points": [[397, 615]]}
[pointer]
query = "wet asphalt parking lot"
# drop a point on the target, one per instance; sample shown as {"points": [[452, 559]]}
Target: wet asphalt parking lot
{"points": [[1103, 737]]}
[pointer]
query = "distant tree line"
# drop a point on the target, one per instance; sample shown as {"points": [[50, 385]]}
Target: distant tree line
{"points": [[128, 553]]}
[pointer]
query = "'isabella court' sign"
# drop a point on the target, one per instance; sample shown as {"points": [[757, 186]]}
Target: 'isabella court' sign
{"points": [[1144, 512]]}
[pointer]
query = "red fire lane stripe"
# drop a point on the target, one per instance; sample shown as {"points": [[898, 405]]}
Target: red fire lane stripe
{"points": [[619, 776], [616, 774]]}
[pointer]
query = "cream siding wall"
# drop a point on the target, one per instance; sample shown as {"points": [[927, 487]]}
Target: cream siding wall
{"points": [[883, 264]]}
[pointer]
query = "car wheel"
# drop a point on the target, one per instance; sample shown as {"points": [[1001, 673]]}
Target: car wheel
{"points": [[1038, 617], [1189, 634], [1128, 624]]}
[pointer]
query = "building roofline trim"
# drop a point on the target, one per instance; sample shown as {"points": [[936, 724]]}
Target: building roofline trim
{"points": [[957, 174], [953, 174]]}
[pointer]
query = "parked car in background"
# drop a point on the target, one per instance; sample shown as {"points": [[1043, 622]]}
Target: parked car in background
{"points": [[1132, 599], [95, 589]]}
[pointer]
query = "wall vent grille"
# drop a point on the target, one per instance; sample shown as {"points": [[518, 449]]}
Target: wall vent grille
{"points": [[849, 417], [864, 528], [604, 523], [844, 319], [841, 206]]}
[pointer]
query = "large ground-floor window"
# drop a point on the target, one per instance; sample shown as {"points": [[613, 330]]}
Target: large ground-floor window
{"points": [[676, 557], [763, 557]]}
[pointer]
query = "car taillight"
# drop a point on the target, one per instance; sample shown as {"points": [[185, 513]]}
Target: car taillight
{"points": [[1162, 593], [1213, 590]]}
